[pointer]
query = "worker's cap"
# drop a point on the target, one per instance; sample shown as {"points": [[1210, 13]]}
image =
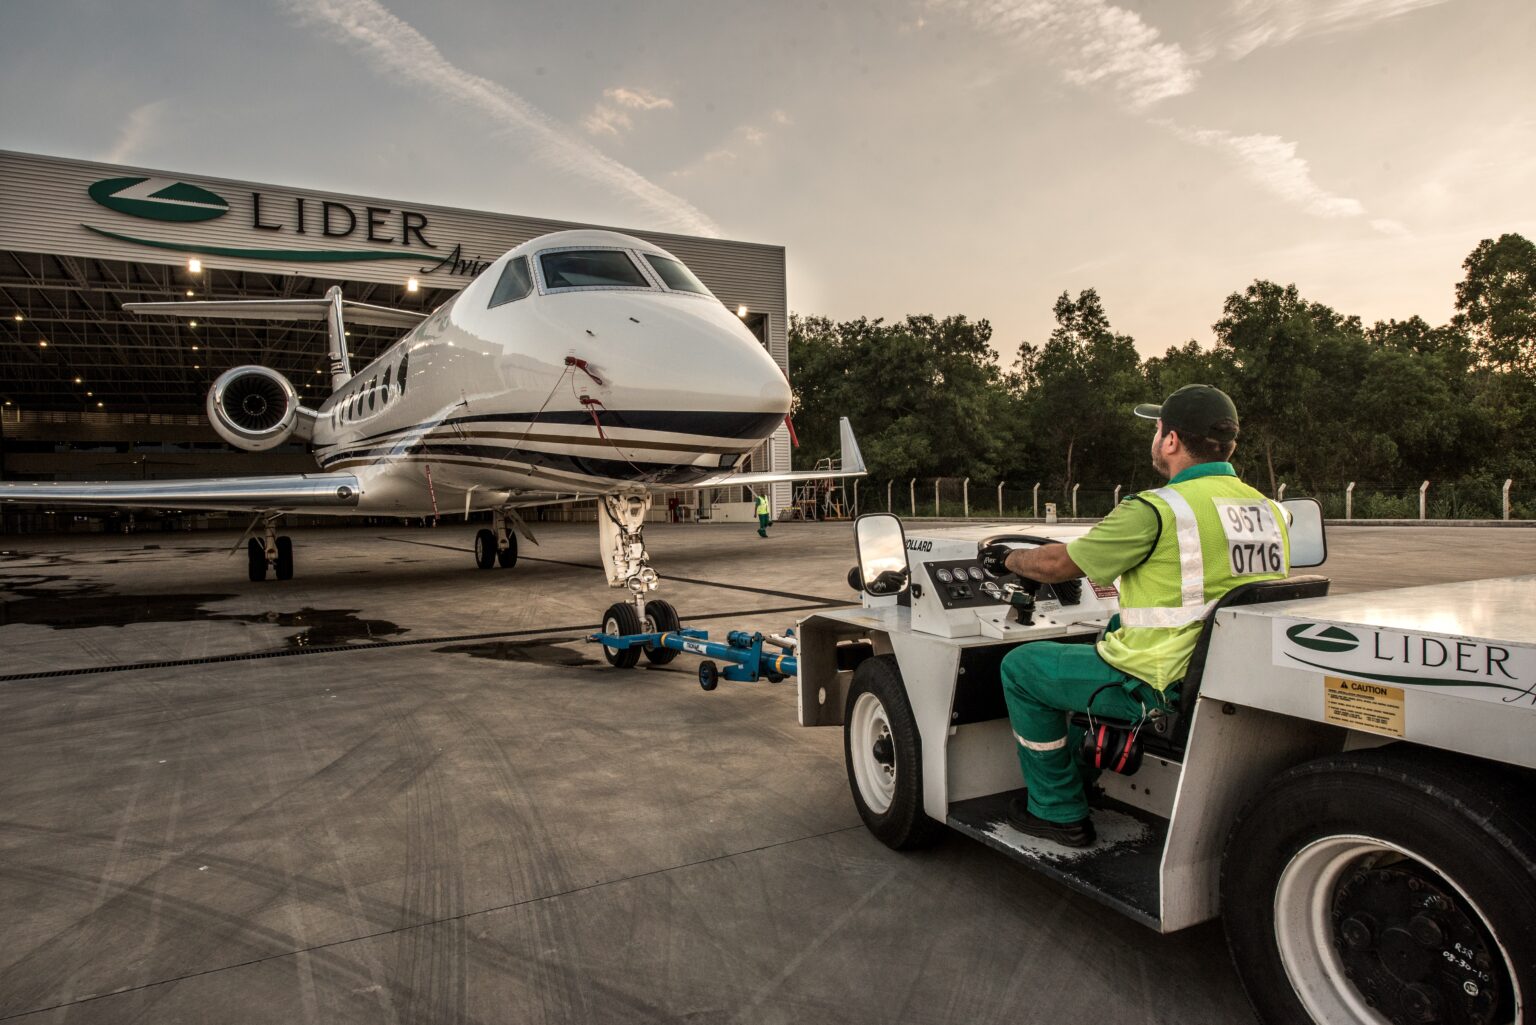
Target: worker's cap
{"points": [[1197, 409]]}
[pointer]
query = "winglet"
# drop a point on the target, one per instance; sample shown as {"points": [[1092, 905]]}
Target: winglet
{"points": [[853, 459]]}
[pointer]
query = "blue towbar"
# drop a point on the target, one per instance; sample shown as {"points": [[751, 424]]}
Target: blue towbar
{"points": [[744, 653]]}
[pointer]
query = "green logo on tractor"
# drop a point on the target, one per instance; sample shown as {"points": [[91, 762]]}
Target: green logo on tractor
{"points": [[1323, 638], [158, 199]]}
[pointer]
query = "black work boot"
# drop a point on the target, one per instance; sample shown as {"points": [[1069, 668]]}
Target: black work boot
{"points": [[1068, 834]]}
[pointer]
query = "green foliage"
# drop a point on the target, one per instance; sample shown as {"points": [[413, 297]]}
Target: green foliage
{"points": [[1323, 399]]}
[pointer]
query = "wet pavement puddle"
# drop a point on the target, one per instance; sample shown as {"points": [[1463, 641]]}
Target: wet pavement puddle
{"points": [[549, 652], [64, 603]]}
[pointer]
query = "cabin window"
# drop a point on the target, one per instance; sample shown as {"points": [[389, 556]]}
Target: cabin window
{"points": [[400, 374], [676, 276], [373, 392], [515, 282], [591, 268], [384, 386]]}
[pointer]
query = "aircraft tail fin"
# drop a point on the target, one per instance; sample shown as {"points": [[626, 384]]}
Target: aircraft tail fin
{"points": [[335, 311], [852, 459]]}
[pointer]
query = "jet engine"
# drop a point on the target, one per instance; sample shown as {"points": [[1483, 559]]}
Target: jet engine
{"points": [[253, 408]]}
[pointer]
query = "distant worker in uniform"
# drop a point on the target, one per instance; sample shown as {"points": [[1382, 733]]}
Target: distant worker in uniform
{"points": [[764, 515], [1175, 551]]}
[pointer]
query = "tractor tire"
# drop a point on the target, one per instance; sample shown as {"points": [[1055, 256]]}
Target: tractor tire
{"points": [[620, 619], [663, 619], [883, 753], [1385, 885]]}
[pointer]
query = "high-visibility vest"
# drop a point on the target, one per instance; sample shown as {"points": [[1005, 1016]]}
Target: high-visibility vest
{"points": [[762, 505], [1216, 533]]}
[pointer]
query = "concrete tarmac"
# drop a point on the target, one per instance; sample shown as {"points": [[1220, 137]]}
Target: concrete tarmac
{"points": [[401, 789]]}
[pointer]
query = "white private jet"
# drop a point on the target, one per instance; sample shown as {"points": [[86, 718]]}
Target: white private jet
{"points": [[582, 364]]}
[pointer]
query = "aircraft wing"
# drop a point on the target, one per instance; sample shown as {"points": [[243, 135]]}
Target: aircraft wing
{"points": [[237, 494], [851, 465], [284, 309]]}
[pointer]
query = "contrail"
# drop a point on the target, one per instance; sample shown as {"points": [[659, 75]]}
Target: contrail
{"points": [[367, 26]]}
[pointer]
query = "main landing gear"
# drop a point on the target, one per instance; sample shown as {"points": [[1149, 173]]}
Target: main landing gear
{"points": [[621, 537], [272, 551], [497, 547]]}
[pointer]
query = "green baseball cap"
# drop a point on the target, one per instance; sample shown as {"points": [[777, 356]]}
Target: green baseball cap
{"points": [[1198, 409]]}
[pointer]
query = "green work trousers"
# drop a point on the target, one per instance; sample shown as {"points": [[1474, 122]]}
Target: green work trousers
{"points": [[1042, 683], [763, 519]]}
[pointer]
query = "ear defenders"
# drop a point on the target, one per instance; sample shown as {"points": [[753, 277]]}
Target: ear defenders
{"points": [[1111, 747]]}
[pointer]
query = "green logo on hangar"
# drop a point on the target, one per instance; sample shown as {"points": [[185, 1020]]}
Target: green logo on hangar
{"points": [[158, 199]]}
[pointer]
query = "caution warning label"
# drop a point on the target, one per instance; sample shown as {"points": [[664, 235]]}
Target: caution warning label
{"points": [[1359, 705]]}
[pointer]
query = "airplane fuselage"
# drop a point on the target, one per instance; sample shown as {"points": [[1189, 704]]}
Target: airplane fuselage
{"points": [[574, 390]]}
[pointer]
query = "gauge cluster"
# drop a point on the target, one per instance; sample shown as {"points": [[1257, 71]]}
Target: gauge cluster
{"points": [[963, 585]]}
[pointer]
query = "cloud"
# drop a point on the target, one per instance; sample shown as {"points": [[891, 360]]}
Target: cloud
{"points": [[756, 136], [781, 118], [1091, 43], [639, 99], [1259, 23], [403, 53], [1271, 163], [606, 121], [139, 128]]}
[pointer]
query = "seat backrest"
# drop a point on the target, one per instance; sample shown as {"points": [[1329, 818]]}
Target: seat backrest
{"points": [[1260, 592]]}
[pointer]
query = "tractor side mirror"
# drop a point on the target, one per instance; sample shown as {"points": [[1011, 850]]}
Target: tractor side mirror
{"points": [[882, 551], [1309, 542]]}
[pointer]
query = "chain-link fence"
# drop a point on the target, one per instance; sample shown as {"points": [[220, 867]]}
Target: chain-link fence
{"points": [[956, 498]]}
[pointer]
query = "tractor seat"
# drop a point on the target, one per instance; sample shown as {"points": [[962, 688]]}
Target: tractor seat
{"points": [[1167, 734]]}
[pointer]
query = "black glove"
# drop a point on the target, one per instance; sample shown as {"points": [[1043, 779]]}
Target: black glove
{"points": [[994, 559]]}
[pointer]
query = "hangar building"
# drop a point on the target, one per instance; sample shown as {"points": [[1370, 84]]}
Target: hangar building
{"points": [[91, 392]]}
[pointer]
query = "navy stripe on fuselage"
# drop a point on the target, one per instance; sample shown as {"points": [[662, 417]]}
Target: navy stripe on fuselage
{"points": [[617, 469], [754, 426]]}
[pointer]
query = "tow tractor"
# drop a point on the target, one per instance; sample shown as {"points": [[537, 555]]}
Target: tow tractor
{"points": [[1345, 780]]}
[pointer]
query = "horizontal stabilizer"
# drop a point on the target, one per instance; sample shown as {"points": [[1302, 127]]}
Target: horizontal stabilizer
{"points": [[283, 309], [239, 494]]}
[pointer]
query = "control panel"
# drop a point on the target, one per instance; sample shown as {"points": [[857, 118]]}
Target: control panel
{"points": [[952, 597]]}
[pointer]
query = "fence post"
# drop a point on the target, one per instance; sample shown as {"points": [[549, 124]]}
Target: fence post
{"points": [[1037, 500], [889, 507], [1280, 495], [1509, 483], [1423, 501], [855, 509], [1117, 494], [912, 494], [1349, 501], [965, 496], [936, 482], [1074, 498], [1002, 482]]}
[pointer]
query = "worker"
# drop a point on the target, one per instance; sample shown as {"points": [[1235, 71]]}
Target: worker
{"points": [[764, 515], [1174, 551]]}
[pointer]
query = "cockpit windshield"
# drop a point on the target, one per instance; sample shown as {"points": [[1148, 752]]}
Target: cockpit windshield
{"points": [[676, 276], [591, 268]]}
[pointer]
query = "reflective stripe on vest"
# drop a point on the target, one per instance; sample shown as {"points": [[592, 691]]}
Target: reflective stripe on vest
{"points": [[1193, 606]]}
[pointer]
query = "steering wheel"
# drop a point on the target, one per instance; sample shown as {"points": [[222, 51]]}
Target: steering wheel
{"points": [[1069, 591]]}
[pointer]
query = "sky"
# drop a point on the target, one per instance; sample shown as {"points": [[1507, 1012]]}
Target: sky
{"points": [[973, 157]]}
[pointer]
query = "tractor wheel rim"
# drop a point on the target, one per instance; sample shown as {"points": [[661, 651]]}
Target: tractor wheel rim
{"points": [[1314, 939], [876, 778], [611, 628]]}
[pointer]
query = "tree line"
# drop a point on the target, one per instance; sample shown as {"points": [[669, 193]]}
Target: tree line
{"points": [[1324, 398]]}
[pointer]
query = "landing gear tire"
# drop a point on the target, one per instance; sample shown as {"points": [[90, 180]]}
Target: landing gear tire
{"points": [[709, 675], [620, 619], [1391, 885], [256, 559], [485, 549], [283, 568], [506, 557], [663, 619], [883, 752]]}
